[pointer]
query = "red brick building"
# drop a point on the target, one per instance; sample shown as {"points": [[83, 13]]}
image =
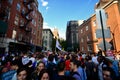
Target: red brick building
{"points": [[87, 31], [24, 23]]}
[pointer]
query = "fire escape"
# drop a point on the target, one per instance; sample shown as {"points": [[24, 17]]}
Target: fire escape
{"points": [[4, 15], [4, 10], [25, 26]]}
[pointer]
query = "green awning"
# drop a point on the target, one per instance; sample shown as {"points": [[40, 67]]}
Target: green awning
{"points": [[3, 27]]}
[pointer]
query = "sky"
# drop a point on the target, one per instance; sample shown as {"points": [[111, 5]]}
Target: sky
{"points": [[56, 13]]}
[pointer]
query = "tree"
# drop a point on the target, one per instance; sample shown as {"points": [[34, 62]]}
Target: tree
{"points": [[63, 44]]}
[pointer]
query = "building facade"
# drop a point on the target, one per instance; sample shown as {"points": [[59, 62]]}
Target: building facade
{"points": [[47, 39], [72, 35], [39, 28], [55, 33], [23, 19], [89, 41]]}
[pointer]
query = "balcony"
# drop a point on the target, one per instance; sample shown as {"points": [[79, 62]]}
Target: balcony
{"points": [[92, 41], [28, 29], [26, 39], [23, 14], [26, 16], [28, 2], [29, 18], [21, 26], [30, 10]]}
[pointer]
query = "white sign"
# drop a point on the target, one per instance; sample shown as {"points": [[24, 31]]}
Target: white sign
{"points": [[101, 45], [101, 18]]}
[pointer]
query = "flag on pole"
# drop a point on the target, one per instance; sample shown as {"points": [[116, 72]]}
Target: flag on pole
{"points": [[58, 45]]}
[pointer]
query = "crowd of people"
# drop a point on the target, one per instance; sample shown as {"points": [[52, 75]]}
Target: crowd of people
{"points": [[58, 66]]}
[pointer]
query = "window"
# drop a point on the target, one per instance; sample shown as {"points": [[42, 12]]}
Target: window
{"points": [[88, 38], [21, 22], [23, 11], [35, 5], [20, 37], [33, 13], [81, 31], [9, 15], [18, 6], [106, 14], [33, 22], [14, 34], [82, 48], [29, 7], [10, 1], [94, 23], [82, 40], [16, 19], [86, 28], [25, 1], [89, 47]]}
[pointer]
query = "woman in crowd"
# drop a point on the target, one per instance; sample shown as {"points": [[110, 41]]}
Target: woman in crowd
{"points": [[40, 66], [22, 74], [43, 75]]}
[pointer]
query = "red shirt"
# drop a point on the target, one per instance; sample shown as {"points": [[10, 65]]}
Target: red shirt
{"points": [[67, 64]]}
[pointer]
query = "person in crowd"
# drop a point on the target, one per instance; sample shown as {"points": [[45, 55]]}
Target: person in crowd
{"points": [[94, 58], [43, 75], [8, 73], [90, 69], [60, 70], [25, 59], [29, 68], [100, 66], [80, 56], [100, 52], [67, 65], [82, 72], [35, 74], [108, 74], [22, 74], [114, 65], [40, 57], [74, 64], [14, 66], [51, 67], [32, 58]]}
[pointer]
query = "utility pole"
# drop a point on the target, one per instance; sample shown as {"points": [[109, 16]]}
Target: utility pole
{"points": [[102, 30]]}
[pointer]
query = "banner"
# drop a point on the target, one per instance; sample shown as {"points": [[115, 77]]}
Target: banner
{"points": [[58, 45]]}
